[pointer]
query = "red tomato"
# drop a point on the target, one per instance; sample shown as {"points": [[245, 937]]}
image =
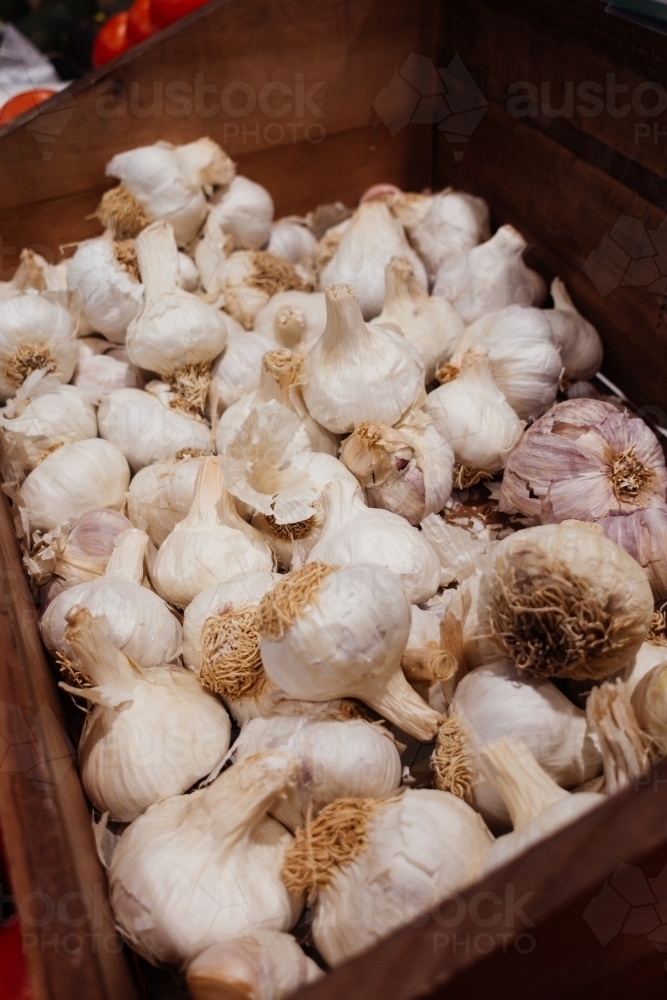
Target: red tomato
{"points": [[111, 39], [16, 105], [164, 12], [139, 24]]}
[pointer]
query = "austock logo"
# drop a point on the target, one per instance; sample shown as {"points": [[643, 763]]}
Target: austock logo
{"points": [[629, 903], [629, 254], [420, 94]]}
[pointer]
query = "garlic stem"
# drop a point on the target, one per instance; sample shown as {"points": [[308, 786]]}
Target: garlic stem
{"points": [[127, 559], [210, 496], [345, 322], [526, 788], [242, 795], [157, 254], [99, 659], [397, 701]]}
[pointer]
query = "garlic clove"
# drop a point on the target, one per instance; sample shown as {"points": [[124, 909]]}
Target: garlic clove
{"points": [[577, 340], [296, 320], [35, 334], [291, 240], [188, 275]]}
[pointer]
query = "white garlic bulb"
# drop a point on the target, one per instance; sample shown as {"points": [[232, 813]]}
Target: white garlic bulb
{"points": [[561, 600], [357, 372], [294, 319], [102, 374], [335, 633], [188, 275], [577, 340], [495, 701], [176, 334], [212, 544], [198, 869], [537, 806], [77, 478], [582, 460], [337, 759], [291, 240], [35, 334], [238, 371], [146, 427], [406, 469], [354, 533], [105, 275], [126, 755], [78, 549], [165, 182], [473, 415], [524, 362], [442, 226], [642, 533], [43, 415], [160, 494], [279, 379], [368, 243], [140, 623], [32, 272], [650, 654], [429, 323], [260, 965], [649, 701], [489, 277], [248, 279], [391, 860], [240, 218]]}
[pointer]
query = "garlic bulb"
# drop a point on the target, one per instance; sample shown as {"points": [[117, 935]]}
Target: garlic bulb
{"points": [[139, 622], [429, 662], [78, 549], [336, 633], [240, 218], [248, 279], [197, 869], [212, 544], [650, 654], [163, 182], [524, 362], [294, 319], [473, 415], [73, 480], [538, 807], [357, 372], [582, 460], [31, 273], [493, 702], [337, 759], [642, 533], [489, 277], [649, 701], [259, 965], [354, 533], [102, 374], [105, 276], [150, 426], [443, 226], [577, 340], [176, 334], [389, 860], [279, 380], [406, 469], [161, 494], [326, 246], [238, 371], [430, 324], [291, 240], [43, 415], [563, 601], [188, 275], [35, 334], [126, 755], [369, 242]]}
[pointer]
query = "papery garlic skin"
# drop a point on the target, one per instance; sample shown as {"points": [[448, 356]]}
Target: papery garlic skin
{"points": [[354, 533], [369, 242], [429, 323], [472, 414], [73, 480], [336, 759], [406, 469], [140, 624], [291, 241], [582, 460], [211, 545], [110, 295], [461, 554], [564, 601], [177, 868], [44, 414], [448, 224], [296, 320], [489, 277], [349, 629], [79, 549], [643, 533], [147, 429], [31, 273], [34, 334], [160, 495], [495, 701], [577, 340], [103, 374], [357, 372], [260, 965], [525, 363], [238, 371], [188, 275]]}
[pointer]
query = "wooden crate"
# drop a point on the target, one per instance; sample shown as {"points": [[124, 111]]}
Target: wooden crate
{"points": [[584, 915]]}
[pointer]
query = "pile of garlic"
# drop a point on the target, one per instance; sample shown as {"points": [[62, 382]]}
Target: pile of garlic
{"points": [[309, 478]]}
